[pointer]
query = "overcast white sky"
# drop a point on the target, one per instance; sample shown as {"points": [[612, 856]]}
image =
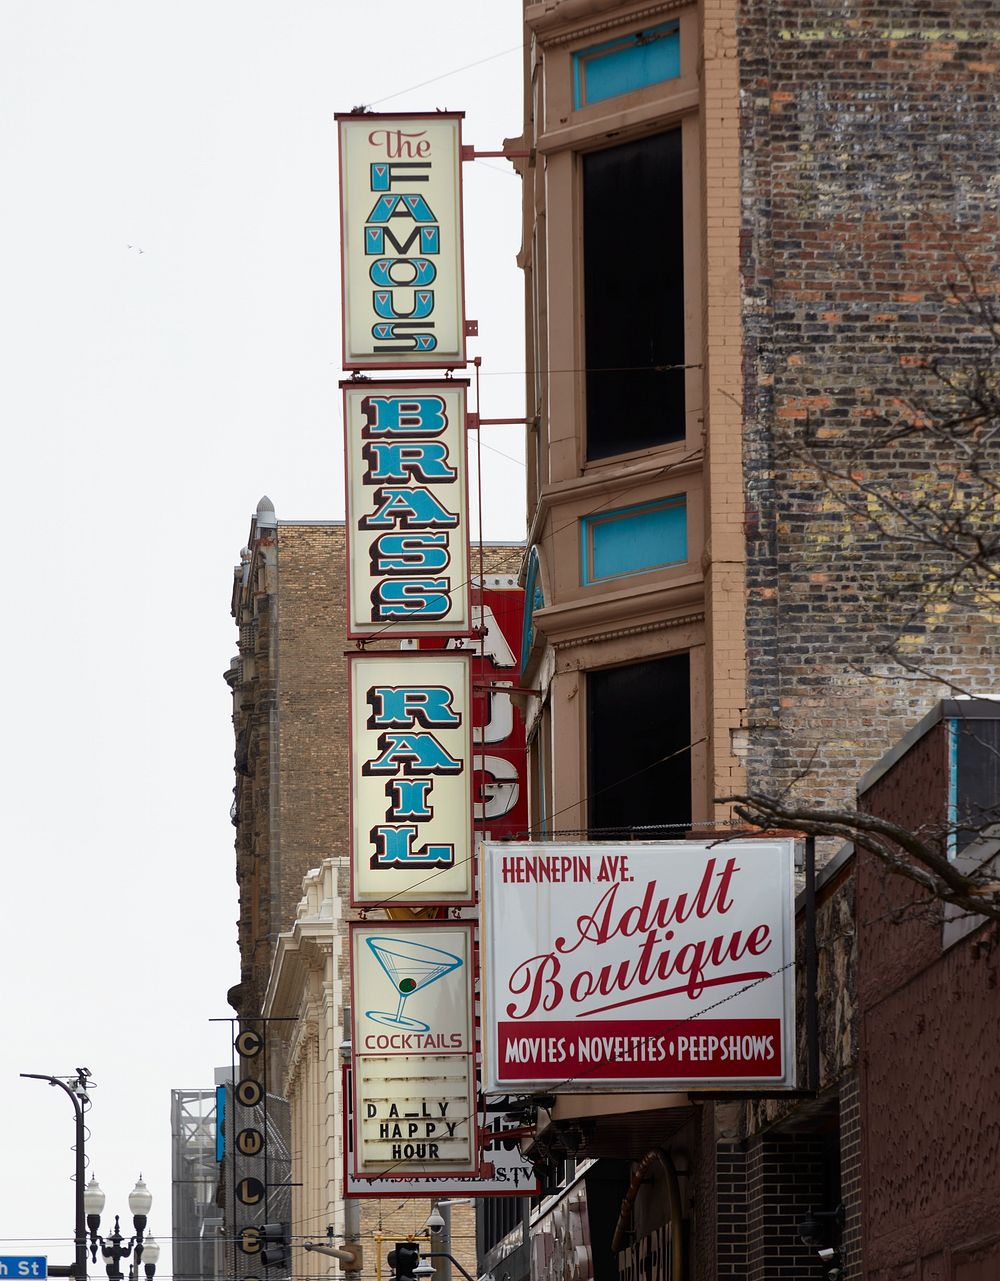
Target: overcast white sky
{"points": [[170, 346]]}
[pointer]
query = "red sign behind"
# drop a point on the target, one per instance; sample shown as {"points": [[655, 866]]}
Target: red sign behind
{"points": [[500, 785]]}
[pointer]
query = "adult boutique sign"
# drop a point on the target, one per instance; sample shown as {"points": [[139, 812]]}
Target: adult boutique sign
{"points": [[413, 1049], [411, 778], [407, 508], [638, 966], [401, 241]]}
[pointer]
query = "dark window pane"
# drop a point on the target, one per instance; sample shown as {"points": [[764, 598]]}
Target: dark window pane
{"points": [[637, 716], [977, 799], [633, 279]]}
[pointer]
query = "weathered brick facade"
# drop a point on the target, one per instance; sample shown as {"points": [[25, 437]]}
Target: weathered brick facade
{"points": [[869, 155], [290, 713]]}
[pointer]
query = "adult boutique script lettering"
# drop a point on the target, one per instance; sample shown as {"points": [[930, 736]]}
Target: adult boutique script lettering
{"points": [[666, 959]]}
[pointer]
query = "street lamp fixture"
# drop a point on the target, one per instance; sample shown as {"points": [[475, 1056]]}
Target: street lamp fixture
{"points": [[150, 1257], [114, 1248]]}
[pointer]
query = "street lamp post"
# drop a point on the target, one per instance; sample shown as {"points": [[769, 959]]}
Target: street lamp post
{"points": [[89, 1203], [439, 1225], [76, 1088]]}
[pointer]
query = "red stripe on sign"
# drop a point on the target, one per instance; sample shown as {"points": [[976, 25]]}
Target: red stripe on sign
{"points": [[650, 1049]]}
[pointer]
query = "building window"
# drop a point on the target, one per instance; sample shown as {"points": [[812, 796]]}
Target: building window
{"points": [[638, 750], [633, 280], [626, 64], [633, 540], [973, 783]]}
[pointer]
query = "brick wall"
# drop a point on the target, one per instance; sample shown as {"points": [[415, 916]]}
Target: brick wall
{"points": [[731, 1212], [784, 1181], [870, 147], [850, 1177]]}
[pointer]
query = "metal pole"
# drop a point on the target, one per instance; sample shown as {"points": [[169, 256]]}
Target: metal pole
{"points": [[79, 1267], [812, 970], [445, 1212]]}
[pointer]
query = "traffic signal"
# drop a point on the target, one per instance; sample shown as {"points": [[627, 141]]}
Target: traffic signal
{"points": [[404, 1259], [274, 1246]]}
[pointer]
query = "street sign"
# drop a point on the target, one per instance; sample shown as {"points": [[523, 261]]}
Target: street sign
{"points": [[24, 1265]]}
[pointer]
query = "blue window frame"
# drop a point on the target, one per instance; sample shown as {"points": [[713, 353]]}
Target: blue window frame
{"points": [[622, 66], [633, 540]]}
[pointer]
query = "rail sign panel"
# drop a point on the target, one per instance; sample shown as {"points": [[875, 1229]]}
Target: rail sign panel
{"points": [[407, 509], [638, 966], [401, 241], [411, 778], [413, 1049]]}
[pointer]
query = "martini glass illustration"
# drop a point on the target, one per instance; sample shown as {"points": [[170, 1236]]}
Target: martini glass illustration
{"points": [[409, 966]]}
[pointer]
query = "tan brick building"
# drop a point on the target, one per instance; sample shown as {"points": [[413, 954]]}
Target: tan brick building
{"points": [[291, 813]]}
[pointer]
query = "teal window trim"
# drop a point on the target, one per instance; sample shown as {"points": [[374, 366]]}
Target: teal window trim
{"points": [[626, 64], [534, 598], [952, 731], [674, 538]]}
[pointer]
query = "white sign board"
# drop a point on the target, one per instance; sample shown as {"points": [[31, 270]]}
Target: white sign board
{"points": [[401, 241], [505, 1171], [638, 966], [413, 1049], [411, 778], [407, 509]]}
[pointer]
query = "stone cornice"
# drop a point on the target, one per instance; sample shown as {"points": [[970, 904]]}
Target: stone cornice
{"points": [[618, 633], [622, 613], [557, 22]]}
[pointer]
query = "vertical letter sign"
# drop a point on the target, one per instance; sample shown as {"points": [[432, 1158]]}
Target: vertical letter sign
{"points": [[407, 504], [401, 241], [411, 778]]}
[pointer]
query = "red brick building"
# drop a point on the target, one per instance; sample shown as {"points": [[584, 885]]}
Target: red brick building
{"points": [[929, 1014]]}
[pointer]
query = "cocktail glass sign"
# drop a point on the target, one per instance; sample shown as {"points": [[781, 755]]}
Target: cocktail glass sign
{"points": [[401, 241], [407, 509], [414, 1049], [411, 778], [638, 966]]}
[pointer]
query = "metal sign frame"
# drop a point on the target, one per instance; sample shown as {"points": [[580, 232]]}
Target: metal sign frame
{"points": [[405, 311]]}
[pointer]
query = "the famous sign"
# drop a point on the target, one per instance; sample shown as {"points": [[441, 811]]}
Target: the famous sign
{"points": [[411, 778], [638, 966], [413, 1049], [401, 241], [500, 803], [407, 509]]}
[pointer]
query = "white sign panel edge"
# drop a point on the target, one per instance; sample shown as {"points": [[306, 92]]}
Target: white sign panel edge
{"points": [[409, 877], [417, 141], [406, 530], [408, 1036], [494, 938]]}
